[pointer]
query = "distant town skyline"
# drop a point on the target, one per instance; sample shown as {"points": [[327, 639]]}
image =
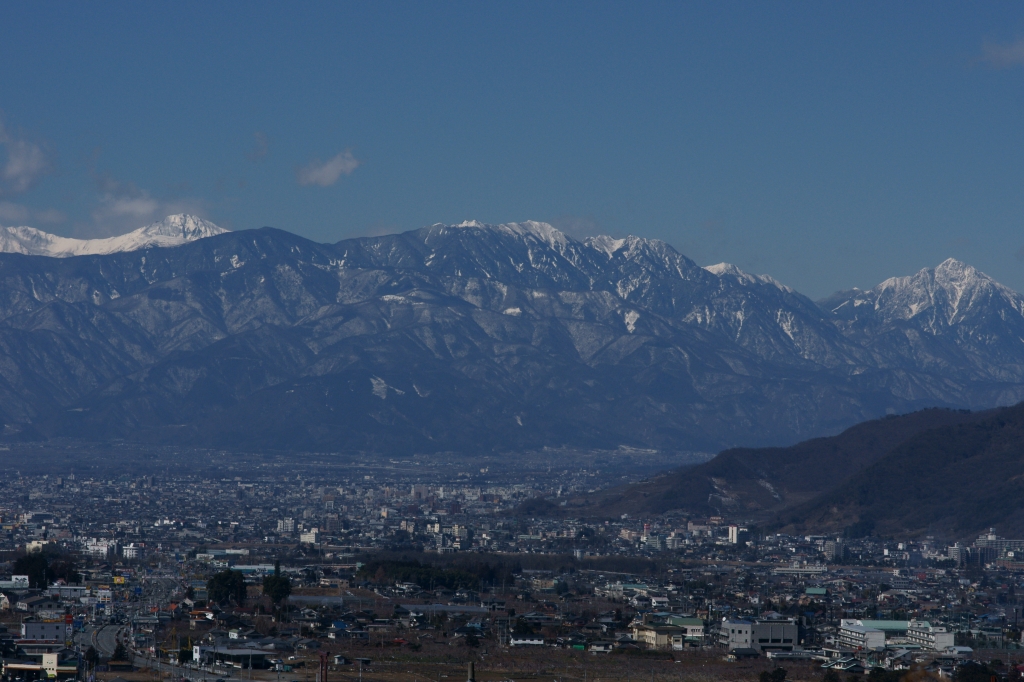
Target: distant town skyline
{"points": [[828, 146]]}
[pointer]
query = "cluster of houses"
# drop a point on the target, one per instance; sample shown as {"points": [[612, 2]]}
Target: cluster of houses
{"points": [[39, 649]]}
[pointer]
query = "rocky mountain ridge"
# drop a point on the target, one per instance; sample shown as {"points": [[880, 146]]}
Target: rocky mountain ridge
{"points": [[470, 336], [173, 230]]}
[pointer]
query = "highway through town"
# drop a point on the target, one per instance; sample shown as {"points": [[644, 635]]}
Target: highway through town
{"points": [[104, 636]]}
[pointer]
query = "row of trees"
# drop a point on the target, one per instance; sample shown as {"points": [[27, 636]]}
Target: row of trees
{"points": [[42, 569], [229, 586]]}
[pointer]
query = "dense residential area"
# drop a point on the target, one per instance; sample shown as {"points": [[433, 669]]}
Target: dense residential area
{"points": [[260, 576]]}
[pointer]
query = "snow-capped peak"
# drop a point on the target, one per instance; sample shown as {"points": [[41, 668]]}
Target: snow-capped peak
{"points": [[724, 269], [727, 269], [545, 232], [606, 244], [950, 274], [949, 291], [181, 226], [173, 230]]}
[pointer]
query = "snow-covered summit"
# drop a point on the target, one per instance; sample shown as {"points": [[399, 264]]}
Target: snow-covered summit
{"points": [[951, 290], [544, 232], [951, 297], [173, 230], [606, 244], [724, 269], [551, 236]]}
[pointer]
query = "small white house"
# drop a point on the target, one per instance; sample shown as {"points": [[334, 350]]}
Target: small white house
{"points": [[526, 640]]}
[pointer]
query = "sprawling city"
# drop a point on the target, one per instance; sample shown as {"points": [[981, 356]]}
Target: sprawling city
{"points": [[294, 573]]}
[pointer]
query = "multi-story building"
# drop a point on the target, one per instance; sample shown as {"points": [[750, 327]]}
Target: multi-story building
{"points": [[737, 535], [835, 550], [657, 636], [930, 636], [692, 632], [761, 635], [35, 630], [860, 637], [1000, 545]]}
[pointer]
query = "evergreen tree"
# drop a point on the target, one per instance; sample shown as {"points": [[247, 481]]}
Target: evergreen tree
{"points": [[277, 586], [227, 585]]}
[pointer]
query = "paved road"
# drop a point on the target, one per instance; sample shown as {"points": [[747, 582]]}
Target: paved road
{"points": [[155, 590], [106, 639]]}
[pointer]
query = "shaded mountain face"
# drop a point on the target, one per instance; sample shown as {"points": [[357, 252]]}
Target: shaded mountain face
{"points": [[762, 483], [450, 338], [952, 481]]}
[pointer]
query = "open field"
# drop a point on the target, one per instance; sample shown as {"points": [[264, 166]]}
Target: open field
{"points": [[546, 665]]}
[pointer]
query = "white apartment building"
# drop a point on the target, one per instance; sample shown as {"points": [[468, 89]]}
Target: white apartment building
{"points": [[930, 636], [735, 634], [860, 637]]}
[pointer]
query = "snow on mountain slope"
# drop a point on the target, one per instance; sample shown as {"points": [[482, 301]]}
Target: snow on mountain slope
{"points": [[265, 339], [171, 231], [744, 277], [951, 320], [944, 296], [757, 313]]}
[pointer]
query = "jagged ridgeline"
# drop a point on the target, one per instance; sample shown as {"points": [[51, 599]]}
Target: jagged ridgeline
{"points": [[477, 337]]}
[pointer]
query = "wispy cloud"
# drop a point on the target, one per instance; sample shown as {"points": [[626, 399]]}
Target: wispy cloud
{"points": [[49, 216], [11, 213], [326, 173], [123, 207], [24, 162], [121, 199], [1003, 55], [17, 214], [260, 148]]}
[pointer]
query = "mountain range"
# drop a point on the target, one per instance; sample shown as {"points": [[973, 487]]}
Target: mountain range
{"points": [[472, 336], [171, 231]]}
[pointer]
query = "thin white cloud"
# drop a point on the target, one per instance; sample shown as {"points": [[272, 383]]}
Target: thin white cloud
{"points": [[24, 163], [123, 207], [325, 174], [1003, 56], [11, 213], [49, 216], [143, 206], [120, 202], [16, 214], [260, 148]]}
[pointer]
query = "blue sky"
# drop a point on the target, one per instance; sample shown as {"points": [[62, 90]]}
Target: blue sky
{"points": [[828, 144]]}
